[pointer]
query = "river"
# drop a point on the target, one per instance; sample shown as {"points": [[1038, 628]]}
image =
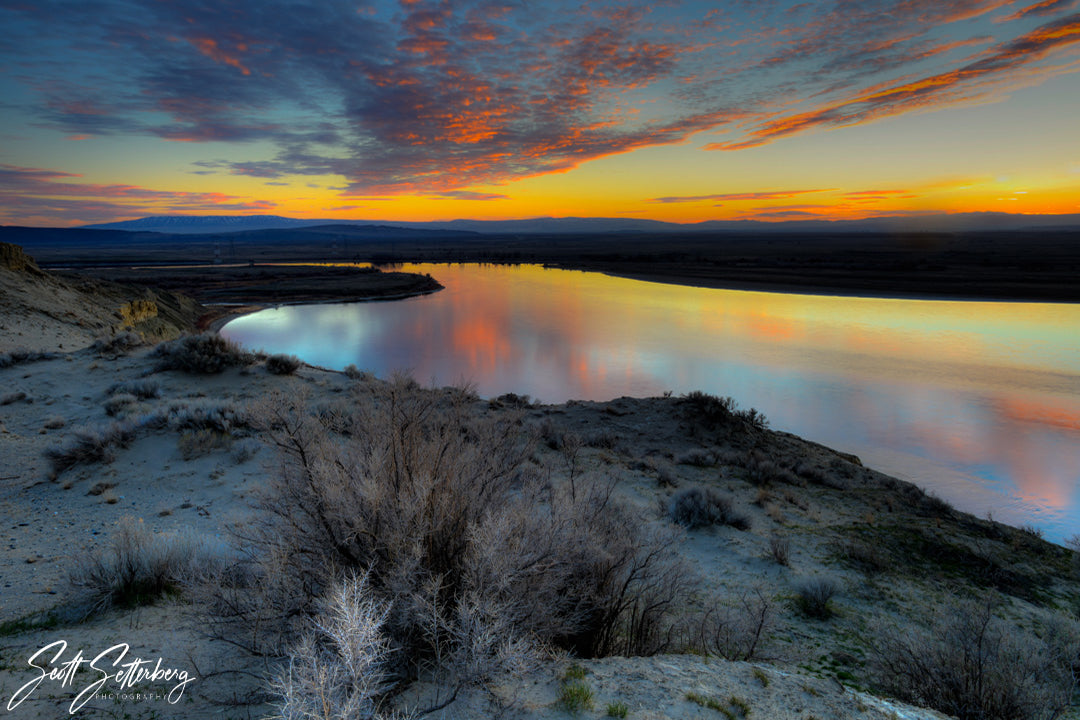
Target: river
{"points": [[978, 402]]}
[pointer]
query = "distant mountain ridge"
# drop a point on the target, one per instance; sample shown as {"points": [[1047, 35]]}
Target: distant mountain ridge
{"points": [[959, 222]]}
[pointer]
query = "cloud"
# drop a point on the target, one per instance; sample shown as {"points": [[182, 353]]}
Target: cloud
{"points": [[429, 97], [767, 195], [975, 79], [31, 192], [1040, 9], [469, 195]]}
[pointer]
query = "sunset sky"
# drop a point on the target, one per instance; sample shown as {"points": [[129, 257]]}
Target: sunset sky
{"points": [[418, 110]]}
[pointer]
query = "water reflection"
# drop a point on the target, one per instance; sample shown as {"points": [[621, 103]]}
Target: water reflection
{"points": [[978, 400]]}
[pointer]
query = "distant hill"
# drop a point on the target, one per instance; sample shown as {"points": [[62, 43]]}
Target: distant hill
{"points": [[959, 222]]}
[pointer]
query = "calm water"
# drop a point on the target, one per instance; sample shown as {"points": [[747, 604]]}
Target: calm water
{"points": [[978, 401]]}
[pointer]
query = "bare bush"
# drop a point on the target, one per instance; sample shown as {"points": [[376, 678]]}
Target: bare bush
{"points": [[974, 665], [205, 354], [281, 364], [338, 670], [138, 566], [479, 557], [697, 507], [196, 443], [739, 631], [89, 445], [697, 458]]}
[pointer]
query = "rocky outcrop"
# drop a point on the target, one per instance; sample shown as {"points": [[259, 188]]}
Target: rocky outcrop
{"points": [[134, 312], [13, 258]]}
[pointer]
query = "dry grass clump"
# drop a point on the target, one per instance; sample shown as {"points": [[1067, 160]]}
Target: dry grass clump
{"points": [[204, 354], [196, 443], [207, 414], [697, 507], [282, 364], [20, 356], [697, 458], [89, 445], [974, 665], [139, 566], [54, 422], [144, 389], [120, 404], [780, 549], [483, 562], [119, 344], [813, 597], [13, 397]]}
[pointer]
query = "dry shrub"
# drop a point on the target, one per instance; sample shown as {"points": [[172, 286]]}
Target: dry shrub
{"points": [[282, 364], [697, 507], [21, 355], [120, 404], [480, 559], [974, 665], [338, 670], [780, 549], [204, 354], [196, 443], [738, 631]]}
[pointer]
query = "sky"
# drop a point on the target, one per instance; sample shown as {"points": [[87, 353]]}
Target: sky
{"points": [[425, 110]]}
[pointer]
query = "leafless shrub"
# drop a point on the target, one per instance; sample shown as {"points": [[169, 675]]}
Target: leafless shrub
{"points": [[511, 400], [118, 344], [974, 665], [697, 507], [144, 389], [739, 631], [205, 354], [814, 597], [139, 566], [780, 549], [814, 473], [90, 444], [339, 670], [474, 552], [281, 364]]}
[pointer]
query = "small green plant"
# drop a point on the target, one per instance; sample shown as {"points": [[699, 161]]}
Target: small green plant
{"points": [[617, 709], [575, 696], [762, 677], [734, 709], [574, 672]]}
